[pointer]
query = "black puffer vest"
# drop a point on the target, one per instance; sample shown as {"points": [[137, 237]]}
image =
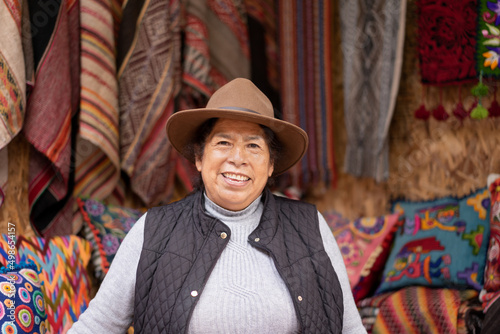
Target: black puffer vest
{"points": [[182, 244]]}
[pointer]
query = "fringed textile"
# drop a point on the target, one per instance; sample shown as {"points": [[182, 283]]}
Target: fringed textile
{"points": [[372, 44], [148, 59], [488, 31], [306, 84], [446, 41], [12, 71], [98, 158], [419, 310], [49, 123]]}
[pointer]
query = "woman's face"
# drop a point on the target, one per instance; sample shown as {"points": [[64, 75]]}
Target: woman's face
{"points": [[235, 164]]}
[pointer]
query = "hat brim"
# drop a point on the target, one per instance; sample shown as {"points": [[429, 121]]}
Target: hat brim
{"points": [[182, 126]]}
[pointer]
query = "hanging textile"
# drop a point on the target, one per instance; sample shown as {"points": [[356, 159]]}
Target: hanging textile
{"points": [[148, 60], [51, 116], [488, 32], [215, 51], [4, 174], [12, 71], [98, 159], [262, 31], [446, 41], [306, 84], [372, 43]]}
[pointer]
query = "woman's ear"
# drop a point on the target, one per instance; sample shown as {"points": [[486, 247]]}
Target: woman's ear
{"points": [[271, 169]]}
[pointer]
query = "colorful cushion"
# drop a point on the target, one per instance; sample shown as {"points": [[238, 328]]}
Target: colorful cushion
{"points": [[441, 244], [62, 263], [364, 244], [106, 227], [22, 304], [491, 289]]}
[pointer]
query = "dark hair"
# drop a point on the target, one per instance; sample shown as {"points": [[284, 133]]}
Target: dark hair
{"points": [[197, 147]]}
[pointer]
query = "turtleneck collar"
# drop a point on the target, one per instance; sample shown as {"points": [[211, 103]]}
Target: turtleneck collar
{"points": [[227, 215]]}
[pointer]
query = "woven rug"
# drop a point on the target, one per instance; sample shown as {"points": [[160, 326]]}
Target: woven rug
{"points": [[446, 41], [372, 43], [12, 72], [98, 159], [419, 310], [49, 122], [306, 84], [488, 30], [149, 50]]}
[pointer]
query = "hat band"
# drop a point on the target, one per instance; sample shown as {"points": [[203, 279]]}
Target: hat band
{"points": [[239, 108]]}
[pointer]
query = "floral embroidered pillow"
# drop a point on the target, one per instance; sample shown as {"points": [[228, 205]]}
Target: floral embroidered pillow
{"points": [[442, 243], [22, 303], [105, 227], [491, 289], [364, 245]]}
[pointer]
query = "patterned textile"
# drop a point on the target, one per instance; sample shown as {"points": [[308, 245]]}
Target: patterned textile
{"points": [[4, 173], [12, 71], [107, 227], [364, 244], [419, 310], [470, 313], [369, 308], [491, 288], [64, 281], [22, 303], [442, 243], [372, 44], [149, 50], [263, 34], [488, 32], [48, 123], [446, 41], [98, 160], [306, 85]]}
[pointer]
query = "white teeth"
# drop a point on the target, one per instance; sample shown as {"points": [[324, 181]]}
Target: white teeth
{"points": [[236, 177]]}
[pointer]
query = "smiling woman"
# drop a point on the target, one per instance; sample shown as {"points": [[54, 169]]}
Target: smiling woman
{"points": [[231, 257]]}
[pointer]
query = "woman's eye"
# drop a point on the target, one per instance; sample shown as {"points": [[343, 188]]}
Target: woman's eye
{"points": [[223, 143], [253, 145]]}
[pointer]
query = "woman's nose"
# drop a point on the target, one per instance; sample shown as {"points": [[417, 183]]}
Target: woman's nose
{"points": [[238, 155]]}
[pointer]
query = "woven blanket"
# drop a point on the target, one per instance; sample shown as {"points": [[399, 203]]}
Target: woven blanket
{"points": [[488, 33], [446, 41], [98, 160], [149, 49], [12, 72], [4, 173], [372, 43], [419, 310], [49, 123], [306, 84]]}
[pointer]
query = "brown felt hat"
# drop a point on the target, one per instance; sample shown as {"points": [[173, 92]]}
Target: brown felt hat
{"points": [[239, 99]]}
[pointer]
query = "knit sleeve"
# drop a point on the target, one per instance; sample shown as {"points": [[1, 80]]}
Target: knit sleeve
{"points": [[112, 309], [352, 319]]}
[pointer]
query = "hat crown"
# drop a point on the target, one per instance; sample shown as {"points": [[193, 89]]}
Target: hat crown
{"points": [[241, 94]]}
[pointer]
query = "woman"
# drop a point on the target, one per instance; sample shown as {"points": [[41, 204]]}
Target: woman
{"points": [[231, 257]]}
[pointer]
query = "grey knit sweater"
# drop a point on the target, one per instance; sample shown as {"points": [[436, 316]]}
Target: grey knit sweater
{"points": [[244, 293]]}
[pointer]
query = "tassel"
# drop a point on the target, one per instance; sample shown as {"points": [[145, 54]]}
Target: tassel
{"points": [[479, 112], [460, 111], [422, 113], [440, 114]]}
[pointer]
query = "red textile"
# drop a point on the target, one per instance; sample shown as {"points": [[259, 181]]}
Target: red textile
{"points": [[446, 41]]}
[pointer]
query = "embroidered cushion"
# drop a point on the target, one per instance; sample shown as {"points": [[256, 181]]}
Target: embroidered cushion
{"points": [[442, 243], [491, 289], [62, 263], [22, 304], [364, 244], [105, 227]]}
